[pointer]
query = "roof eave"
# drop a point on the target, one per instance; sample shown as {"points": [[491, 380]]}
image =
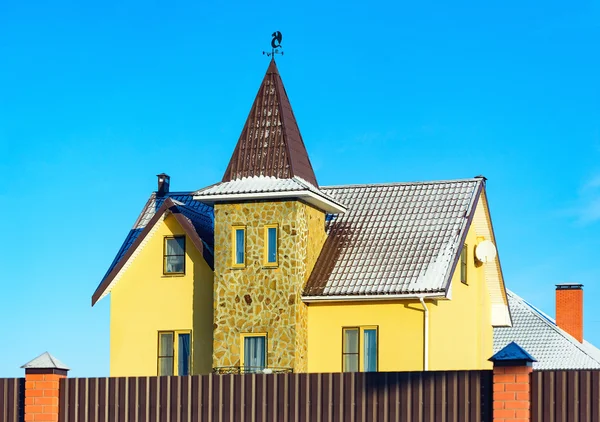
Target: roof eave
{"points": [[312, 198], [374, 297]]}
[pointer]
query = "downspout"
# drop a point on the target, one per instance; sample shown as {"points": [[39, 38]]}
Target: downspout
{"points": [[425, 335]]}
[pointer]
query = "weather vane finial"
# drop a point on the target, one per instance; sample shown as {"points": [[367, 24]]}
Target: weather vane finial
{"points": [[275, 45]]}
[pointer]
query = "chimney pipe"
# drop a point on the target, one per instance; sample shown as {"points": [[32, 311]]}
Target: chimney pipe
{"points": [[164, 180], [569, 309]]}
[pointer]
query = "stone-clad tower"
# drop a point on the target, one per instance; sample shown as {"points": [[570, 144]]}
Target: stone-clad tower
{"points": [[269, 230]]}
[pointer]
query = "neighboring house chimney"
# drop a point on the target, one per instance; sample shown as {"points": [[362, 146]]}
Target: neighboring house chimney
{"points": [[163, 184], [569, 309]]}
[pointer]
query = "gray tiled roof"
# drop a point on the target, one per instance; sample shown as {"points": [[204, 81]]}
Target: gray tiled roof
{"points": [[539, 335], [200, 215], [399, 238]]}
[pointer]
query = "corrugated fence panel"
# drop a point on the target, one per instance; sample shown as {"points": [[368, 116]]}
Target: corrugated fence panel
{"points": [[565, 396], [464, 396], [12, 399]]}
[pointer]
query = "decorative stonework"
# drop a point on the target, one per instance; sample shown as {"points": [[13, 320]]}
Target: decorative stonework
{"points": [[265, 300]]}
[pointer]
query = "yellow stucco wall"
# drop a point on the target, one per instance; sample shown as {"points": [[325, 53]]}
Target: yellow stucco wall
{"points": [[144, 301], [460, 335], [461, 332]]}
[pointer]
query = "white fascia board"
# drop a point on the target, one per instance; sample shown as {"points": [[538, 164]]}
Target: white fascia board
{"points": [[324, 203], [369, 298], [310, 197], [500, 315], [133, 256]]}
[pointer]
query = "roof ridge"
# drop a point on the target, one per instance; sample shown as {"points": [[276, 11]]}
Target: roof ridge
{"points": [[186, 193], [192, 210], [426, 182], [550, 322]]}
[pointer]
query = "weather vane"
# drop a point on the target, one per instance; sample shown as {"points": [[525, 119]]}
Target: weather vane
{"points": [[275, 45]]}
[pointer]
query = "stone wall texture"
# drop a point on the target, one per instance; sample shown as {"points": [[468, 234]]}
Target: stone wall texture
{"points": [[259, 299]]}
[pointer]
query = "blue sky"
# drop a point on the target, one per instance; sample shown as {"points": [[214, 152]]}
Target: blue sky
{"points": [[96, 98]]}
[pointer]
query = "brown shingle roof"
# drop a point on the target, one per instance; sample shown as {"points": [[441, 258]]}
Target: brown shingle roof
{"points": [[394, 239], [270, 143]]}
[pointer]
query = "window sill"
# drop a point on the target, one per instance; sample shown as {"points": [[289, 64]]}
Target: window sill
{"points": [[173, 275]]}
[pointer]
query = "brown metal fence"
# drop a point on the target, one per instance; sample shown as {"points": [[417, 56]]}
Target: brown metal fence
{"points": [[12, 399], [464, 396], [561, 396]]}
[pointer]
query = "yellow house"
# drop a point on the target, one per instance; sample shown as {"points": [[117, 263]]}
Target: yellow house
{"points": [[269, 271]]}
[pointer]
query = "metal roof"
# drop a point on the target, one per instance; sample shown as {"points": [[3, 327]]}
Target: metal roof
{"points": [[268, 187], [512, 352], [270, 143], [45, 361], [204, 214], [196, 218], [539, 335], [256, 184], [394, 239]]}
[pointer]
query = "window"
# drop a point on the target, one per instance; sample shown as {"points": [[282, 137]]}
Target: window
{"points": [[238, 240], [352, 358], [463, 265], [253, 352], [174, 353], [174, 259], [271, 245]]}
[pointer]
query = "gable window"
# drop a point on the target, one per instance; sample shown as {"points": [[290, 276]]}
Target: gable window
{"points": [[253, 352], [271, 245], [174, 255], [174, 353], [238, 240], [359, 349], [463, 265]]}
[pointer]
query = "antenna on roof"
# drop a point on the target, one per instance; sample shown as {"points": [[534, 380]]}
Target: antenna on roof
{"points": [[275, 45]]}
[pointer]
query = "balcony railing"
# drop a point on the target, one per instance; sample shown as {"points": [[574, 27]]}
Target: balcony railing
{"points": [[250, 370]]}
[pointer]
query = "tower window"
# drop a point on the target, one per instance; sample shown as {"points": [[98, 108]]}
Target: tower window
{"points": [[271, 245], [238, 240], [253, 352]]}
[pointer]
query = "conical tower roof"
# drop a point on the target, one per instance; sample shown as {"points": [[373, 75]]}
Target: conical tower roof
{"points": [[270, 143]]}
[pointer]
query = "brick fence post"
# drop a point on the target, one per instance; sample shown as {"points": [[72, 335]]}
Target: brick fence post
{"points": [[512, 384], [42, 376]]}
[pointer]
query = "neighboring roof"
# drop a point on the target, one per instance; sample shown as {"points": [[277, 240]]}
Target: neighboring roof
{"points": [[45, 361], [268, 187], [196, 219], [270, 143], [538, 334], [394, 239]]}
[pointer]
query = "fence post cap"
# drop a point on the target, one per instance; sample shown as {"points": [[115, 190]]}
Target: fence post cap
{"points": [[45, 361], [512, 353]]}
